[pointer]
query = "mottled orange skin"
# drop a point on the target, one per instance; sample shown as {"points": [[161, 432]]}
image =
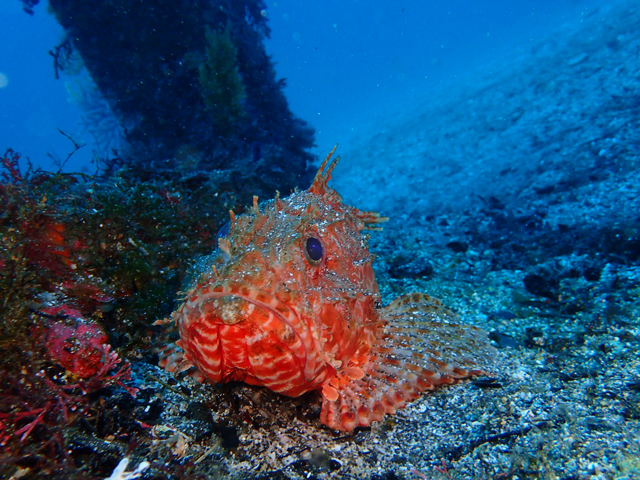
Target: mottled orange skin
{"points": [[271, 316]]}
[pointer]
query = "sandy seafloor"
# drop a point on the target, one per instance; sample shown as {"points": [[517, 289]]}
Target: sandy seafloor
{"points": [[516, 201]]}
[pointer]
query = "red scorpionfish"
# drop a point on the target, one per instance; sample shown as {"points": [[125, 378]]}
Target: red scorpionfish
{"points": [[291, 303]]}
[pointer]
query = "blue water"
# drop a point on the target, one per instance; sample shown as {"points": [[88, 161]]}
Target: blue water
{"points": [[501, 139], [346, 63]]}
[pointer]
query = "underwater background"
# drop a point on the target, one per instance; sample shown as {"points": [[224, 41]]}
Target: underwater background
{"points": [[501, 138], [344, 62]]}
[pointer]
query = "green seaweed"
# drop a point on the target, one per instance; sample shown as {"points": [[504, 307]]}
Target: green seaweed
{"points": [[221, 84]]}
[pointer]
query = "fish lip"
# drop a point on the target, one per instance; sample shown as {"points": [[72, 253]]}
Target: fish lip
{"points": [[268, 307], [237, 293], [246, 292]]}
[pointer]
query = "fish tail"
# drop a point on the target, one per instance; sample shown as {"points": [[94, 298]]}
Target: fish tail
{"points": [[419, 348]]}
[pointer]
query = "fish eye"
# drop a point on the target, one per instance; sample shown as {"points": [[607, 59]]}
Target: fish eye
{"points": [[222, 234], [313, 250], [224, 231]]}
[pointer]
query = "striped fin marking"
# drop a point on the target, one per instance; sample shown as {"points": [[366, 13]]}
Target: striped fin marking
{"points": [[418, 349]]}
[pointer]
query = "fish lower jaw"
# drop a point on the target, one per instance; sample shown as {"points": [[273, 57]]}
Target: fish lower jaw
{"points": [[229, 337]]}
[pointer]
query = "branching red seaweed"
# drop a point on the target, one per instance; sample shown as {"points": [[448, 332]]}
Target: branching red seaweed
{"points": [[84, 265], [10, 161]]}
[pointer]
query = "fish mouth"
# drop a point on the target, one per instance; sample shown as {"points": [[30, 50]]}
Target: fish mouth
{"points": [[249, 327], [238, 304]]}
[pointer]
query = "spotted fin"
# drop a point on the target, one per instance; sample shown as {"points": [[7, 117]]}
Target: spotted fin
{"points": [[172, 359], [420, 346]]}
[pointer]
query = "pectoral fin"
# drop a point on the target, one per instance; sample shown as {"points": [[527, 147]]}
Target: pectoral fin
{"points": [[173, 360], [419, 347]]}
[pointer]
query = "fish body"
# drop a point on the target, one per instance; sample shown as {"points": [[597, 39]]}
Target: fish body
{"points": [[290, 302]]}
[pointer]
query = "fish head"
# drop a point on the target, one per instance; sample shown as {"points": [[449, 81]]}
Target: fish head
{"points": [[290, 248]]}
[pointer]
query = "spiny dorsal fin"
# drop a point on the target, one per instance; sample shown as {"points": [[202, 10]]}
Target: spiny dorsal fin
{"points": [[370, 219], [319, 184]]}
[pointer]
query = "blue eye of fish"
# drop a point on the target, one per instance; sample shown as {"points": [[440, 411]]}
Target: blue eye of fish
{"points": [[224, 231], [314, 250]]}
